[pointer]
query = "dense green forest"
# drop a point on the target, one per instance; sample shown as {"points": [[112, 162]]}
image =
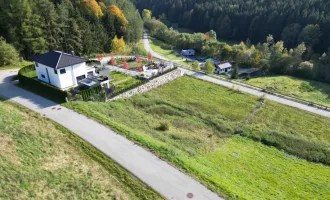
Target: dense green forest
{"points": [[83, 26], [243, 19], [270, 55]]}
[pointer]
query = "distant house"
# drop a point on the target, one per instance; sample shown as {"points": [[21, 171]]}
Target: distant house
{"points": [[188, 52], [62, 70], [223, 68]]}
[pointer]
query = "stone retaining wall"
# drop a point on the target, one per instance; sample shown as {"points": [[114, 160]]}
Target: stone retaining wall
{"points": [[154, 83]]}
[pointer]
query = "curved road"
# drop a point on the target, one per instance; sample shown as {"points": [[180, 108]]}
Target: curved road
{"points": [[240, 87], [159, 175]]}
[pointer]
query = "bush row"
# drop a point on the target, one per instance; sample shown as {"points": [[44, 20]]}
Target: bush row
{"points": [[306, 149], [39, 87], [93, 94]]}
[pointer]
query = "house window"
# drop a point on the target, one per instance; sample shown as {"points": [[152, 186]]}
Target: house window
{"points": [[37, 64], [62, 71], [79, 78], [55, 71], [43, 76], [90, 73]]}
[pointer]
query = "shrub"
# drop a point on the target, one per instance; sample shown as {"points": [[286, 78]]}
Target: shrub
{"points": [[8, 54], [164, 126], [234, 74], [209, 67], [39, 87], [196, 66], [303, 148], [93, 94]]}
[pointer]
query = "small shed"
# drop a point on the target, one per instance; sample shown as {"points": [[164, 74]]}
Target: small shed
{"points": [[223, 68], [188, 52]]}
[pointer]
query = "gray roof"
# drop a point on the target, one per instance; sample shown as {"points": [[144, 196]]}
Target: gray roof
{"points": [[58, 59], [224, 65]]}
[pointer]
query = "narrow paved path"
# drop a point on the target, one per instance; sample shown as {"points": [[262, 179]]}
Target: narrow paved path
{"points": [[240, 87], [162, 177]]}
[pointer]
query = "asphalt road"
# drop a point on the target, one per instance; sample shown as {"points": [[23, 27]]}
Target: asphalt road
{"points": [[159, 175], [241, 88]]}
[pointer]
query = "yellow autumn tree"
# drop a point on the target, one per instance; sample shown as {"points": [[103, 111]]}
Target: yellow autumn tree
{"points": [[103, 6], [92, 8], [118, 45], [116, 12]]}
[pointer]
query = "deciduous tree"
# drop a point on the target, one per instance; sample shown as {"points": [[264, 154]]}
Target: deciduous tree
{"points": [[118, 45], [209, 67], [8, 53]]}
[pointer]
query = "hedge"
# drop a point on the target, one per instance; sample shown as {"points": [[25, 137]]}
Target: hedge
{"points": [[310, 150], [93, 94], [39, 87]]}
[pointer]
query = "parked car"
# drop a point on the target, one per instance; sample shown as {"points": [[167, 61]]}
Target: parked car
{"points": [[143, 77]]}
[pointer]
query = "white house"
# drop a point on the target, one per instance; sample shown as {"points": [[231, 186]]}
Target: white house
{"points": [[188, 52], [223, 68], [61, 70]]}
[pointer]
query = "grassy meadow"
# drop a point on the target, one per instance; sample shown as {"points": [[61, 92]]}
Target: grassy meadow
{"points": [[42, 160], [192, 124], [163, 49], [309, 90], [121, 80]]}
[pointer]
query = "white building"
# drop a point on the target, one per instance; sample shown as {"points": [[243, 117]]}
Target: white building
{"points": [[61, 70], [223, 68]]}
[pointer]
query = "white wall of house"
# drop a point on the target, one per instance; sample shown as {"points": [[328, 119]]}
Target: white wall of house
{"points": [[221, 71], [49, 77], [63, 80]]}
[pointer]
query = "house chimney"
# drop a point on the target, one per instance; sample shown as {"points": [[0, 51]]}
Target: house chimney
{"points": [[72, 53]]}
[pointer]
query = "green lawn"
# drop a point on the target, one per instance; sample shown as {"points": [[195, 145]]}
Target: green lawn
{"points": [[39, 159], [163, 48], [202, 118], [20, 65], [306, 89], [121, 80]]}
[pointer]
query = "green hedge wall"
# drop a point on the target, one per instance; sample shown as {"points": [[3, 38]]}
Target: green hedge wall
{"points": [[94, 94], [40, 88]]}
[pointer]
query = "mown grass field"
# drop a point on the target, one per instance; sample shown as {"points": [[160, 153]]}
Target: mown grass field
{"points": [[41, 160], [309, 90], [202, 119]]}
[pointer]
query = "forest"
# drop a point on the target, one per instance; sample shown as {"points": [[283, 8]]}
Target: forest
{"points": [[247, 19], [271, 55], [84, 26]]}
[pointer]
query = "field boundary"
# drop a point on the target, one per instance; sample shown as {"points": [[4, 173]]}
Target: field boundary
{"points": [[154, 83], [291, 98]]}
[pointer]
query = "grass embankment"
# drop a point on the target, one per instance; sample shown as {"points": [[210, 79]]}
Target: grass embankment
{"points": [[309, 90], [163, 49], [202, 118], [121, 80], [18, 66], [40, 159]]}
